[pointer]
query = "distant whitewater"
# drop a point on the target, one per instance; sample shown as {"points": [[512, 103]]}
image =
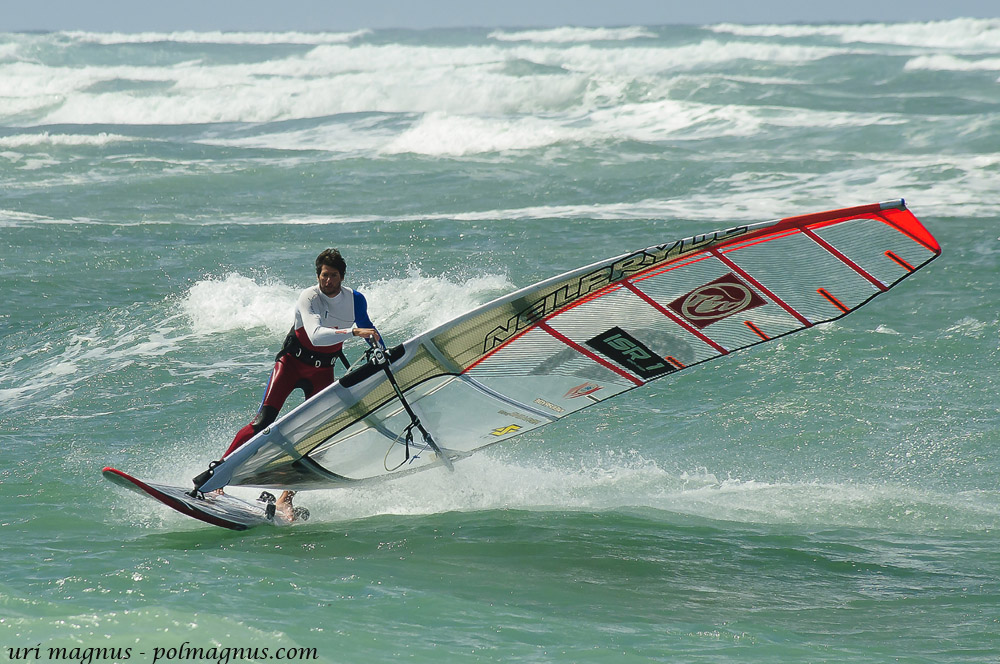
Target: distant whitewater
{"points": [[487, 94]]}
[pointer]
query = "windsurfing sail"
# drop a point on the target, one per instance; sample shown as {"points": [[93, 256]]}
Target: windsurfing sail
{"points": [[546, 351]]}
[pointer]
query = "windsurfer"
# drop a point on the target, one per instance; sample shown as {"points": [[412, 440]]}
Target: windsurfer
{"points": [[325, 316]]}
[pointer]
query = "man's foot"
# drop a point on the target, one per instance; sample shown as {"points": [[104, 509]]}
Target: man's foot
{"points": [[284, 505]]}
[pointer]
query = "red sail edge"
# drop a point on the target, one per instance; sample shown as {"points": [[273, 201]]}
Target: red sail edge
{"points": [[895, 213]]}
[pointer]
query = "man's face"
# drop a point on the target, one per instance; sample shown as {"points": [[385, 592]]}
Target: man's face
{"points": [[329, 280]]}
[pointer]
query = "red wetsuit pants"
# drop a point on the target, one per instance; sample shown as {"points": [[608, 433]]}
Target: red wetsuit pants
{"points": [[288, 374]]}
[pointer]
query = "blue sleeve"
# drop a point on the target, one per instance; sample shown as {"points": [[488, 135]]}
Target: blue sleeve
{"points": [[361, 318]]}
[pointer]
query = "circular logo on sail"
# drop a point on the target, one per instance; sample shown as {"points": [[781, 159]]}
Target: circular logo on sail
{"points": [[716, 300]]}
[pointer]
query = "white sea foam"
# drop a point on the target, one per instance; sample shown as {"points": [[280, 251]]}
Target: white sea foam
{"points": [[885, 329], [420, 302], [288, 89], [614, 480], [861, 178], [647, 60], [215, 37], [960, 34], [851, 178], [751, 198], [343, 78], [348, 137], [454, 135], [573, 34], [9, 51], [238, 303], [969, 327], [946, 62], [443, 134], [17, 218], [58, 370], [46, 139], [340, 74], [525, 475]]}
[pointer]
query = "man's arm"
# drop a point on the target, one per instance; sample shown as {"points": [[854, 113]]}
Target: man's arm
{"points": [[365, 327], [312, 322]]}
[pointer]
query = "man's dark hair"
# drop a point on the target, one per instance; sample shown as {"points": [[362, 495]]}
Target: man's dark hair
{"points": [[332, 258]]}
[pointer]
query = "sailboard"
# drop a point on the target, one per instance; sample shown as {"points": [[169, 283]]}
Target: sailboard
{"points": [[542, 353], [220, 510]]}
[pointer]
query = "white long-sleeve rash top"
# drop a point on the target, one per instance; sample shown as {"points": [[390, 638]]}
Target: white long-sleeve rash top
{"points": [[322, 323]]}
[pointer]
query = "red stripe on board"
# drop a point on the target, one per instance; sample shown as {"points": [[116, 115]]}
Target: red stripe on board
{"points": [[674, 317], [834, 301], [906, 266], [845, 260], [583, 351], [169, 501], [756, 330], [674, 361], [759, 286]]}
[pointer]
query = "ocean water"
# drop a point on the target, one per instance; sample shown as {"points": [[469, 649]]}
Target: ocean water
{"points": [[830, 497]]}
